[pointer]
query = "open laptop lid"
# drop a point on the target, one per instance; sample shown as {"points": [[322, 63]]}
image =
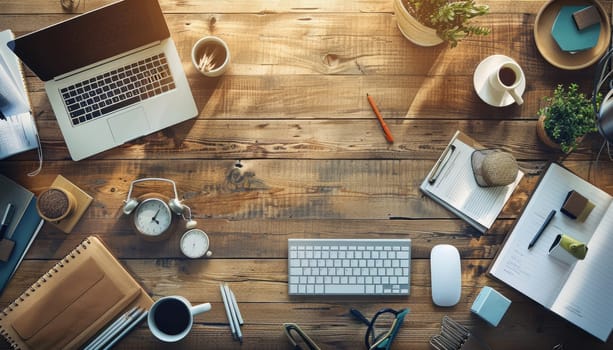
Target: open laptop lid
{"points": [[91, 37]]}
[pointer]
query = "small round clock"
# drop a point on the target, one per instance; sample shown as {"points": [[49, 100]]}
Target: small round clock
{"points": [[195, 244]]}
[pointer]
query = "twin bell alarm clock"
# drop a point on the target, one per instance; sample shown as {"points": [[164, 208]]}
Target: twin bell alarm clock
{"points": [[155, 216]]}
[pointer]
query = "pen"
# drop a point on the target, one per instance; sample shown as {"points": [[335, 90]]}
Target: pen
{"points": [[6, 219], [543, 227], [126, 329], [235, 305], [233, 312], [386, 130], [111, 330], [441, 163], [227, 307]]}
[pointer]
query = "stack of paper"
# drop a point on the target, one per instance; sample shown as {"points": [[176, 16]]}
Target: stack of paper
{"points": [[17, 127]]}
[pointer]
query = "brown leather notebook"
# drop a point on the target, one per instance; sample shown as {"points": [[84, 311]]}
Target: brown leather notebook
{"points": [[73, 301]]}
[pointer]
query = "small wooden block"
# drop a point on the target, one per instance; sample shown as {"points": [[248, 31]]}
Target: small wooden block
{"points": [[586, 17], [6, 248], [83, 202], [576, 206]]}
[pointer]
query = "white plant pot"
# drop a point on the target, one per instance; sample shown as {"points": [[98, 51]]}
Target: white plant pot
{"points": [[412, 29]]}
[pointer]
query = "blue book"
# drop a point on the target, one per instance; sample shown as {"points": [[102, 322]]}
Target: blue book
{"points": [[23, 225]]}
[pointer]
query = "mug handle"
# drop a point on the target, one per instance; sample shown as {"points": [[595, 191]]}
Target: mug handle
{"points": [[198, 309], [518, 99]]}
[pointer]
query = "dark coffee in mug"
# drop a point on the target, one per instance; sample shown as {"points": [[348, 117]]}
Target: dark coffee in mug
{"points": [[171, 316], [507, 76]]}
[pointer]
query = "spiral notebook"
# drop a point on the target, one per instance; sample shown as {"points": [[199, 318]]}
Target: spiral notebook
{"points": [[73, 301]]}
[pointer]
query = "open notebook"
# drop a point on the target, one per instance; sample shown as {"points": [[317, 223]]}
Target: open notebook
{"points": [[73, 301], [579, 292]]}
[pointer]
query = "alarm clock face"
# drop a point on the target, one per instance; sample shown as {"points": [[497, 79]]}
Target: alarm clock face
{"points": [[152, 217]]}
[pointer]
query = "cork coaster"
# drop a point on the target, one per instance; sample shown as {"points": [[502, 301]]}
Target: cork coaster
{"points": [[83, 202]]}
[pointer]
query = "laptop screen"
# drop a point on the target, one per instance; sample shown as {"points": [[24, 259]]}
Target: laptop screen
{"points": [[91, 37]]}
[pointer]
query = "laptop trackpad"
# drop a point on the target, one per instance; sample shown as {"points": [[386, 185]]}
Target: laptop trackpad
{"points": [[129, 125]]}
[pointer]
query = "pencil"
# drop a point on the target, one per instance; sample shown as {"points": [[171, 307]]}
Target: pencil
{"points": [[136, 320], [233, 314], [111, 330], [235, 304], [386, 130], [226, 305]]}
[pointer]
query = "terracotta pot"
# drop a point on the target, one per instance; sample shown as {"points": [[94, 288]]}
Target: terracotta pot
{"points": [[542, 134], [412, 29], [544, 137]]}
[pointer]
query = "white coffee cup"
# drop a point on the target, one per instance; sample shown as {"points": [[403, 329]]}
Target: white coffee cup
{"points": [[211, 56], [506, 78], [171, 318]]}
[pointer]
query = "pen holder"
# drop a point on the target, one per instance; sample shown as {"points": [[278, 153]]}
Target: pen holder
{"points": [[567, 249], [211, 56]]}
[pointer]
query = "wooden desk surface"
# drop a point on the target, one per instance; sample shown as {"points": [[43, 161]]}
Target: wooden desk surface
{"points": [[286, 146]]}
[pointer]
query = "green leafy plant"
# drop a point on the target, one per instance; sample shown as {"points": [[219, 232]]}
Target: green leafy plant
{"points": [[450, 19], [569, 115]]}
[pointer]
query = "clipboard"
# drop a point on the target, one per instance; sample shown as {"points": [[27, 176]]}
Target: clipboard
{"points": [[451, 183]]}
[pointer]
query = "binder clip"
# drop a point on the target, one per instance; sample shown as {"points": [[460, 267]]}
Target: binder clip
{"points": [[455, 336]]}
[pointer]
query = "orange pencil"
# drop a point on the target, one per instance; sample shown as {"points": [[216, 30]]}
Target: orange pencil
{"points": [[386, 130]]}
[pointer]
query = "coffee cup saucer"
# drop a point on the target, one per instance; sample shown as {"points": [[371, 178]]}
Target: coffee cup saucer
{"points": [[484, 90]]}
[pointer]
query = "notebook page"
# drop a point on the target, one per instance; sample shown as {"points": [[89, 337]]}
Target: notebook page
{"points": [[17, 133], [13, 97], [586, 297], [456, 186], [533, 272]]}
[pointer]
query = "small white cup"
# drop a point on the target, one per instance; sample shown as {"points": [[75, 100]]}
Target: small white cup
{"points": [[506, 78], [211, 56], [171, 318]]}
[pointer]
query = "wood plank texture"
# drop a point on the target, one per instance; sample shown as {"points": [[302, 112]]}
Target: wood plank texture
{"points": [[286, 146]]}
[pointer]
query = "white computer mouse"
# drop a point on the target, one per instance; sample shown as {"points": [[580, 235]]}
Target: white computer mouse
{"points": [[446, 275]]}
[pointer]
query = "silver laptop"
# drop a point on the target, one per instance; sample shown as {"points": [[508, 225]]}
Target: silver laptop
{"points": [[112, 75]]}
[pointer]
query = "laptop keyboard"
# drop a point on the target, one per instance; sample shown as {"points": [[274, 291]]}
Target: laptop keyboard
{"points": [[118, 88]]}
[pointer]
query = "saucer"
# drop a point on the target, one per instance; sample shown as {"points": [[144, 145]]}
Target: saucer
{"points": [[485, 91]]}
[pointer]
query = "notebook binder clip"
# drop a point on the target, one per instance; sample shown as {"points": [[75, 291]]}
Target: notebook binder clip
{"points": [[455, 336]]}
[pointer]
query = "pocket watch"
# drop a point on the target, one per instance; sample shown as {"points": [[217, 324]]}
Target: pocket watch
{"points": [[195, 244]]}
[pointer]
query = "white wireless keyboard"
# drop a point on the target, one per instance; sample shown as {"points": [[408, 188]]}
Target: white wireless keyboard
{"points": [[349, 266]]}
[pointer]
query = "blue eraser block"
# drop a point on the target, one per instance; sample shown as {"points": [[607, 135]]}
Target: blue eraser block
{"points": [[490, 305]]}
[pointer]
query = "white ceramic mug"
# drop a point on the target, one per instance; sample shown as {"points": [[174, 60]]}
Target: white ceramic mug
{"points": [[211, 56], [506, 78], [171, 318]]}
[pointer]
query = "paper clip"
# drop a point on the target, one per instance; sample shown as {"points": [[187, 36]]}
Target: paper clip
{"points": [[454, 336]]}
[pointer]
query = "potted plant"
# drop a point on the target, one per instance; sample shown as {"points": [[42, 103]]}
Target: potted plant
{"points": [[431, 22], [568, 116]]}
